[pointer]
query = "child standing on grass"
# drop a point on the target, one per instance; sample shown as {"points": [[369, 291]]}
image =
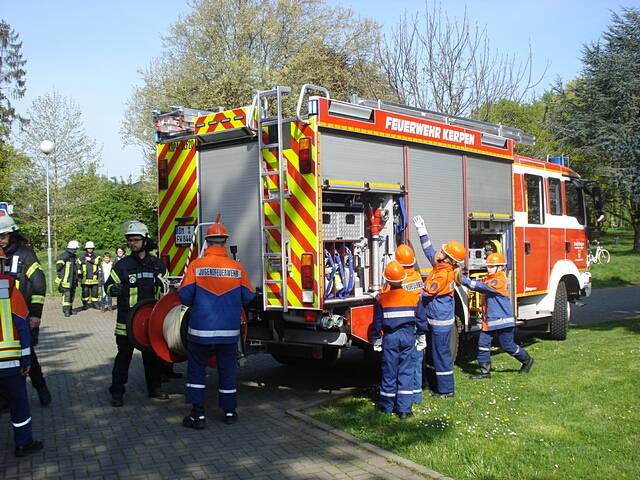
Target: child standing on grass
{"points": [[394, 315], [498, 320]]}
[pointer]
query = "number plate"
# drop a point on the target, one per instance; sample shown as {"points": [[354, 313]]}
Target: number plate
{"points": [[184, 233]]}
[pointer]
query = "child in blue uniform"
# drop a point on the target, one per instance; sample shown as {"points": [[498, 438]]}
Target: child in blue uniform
{"points": [[498, 321], [395, 316]]}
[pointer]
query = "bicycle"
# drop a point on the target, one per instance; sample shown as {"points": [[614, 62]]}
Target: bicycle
{"points": [[601, 255]]}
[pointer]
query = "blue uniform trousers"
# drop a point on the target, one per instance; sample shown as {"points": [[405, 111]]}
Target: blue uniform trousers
{"points": [[417, 380], [398, 370], [439, 374], [198, 356], [16, 388], [505, 337]]}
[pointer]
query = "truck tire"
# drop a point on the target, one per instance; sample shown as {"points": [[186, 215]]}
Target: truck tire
{"points": [[560, 317]]}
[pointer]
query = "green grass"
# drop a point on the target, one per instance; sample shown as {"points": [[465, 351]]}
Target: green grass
{"points": [[575, 416], [624, 268]]}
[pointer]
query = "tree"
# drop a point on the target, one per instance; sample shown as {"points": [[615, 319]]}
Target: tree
{"points": [[105, 207], [600, 112], [59, 119], [12, 77], [447, 65], [222, 52]]}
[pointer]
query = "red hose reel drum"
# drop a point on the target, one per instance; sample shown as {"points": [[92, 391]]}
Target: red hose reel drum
{"points": [[169, 309]]}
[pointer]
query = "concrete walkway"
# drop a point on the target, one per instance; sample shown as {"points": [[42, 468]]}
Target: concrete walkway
{"points": [[86, 438], [607, 304]]}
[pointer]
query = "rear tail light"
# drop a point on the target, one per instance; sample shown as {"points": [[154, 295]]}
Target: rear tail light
{"points": [[304, 155], [307, 274], [310, 316], [163, 174]]}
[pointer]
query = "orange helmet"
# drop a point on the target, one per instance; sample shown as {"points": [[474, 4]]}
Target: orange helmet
{"points": [[405, 256], [496, 259], [394, 272], [455, 251], [216, 230]]}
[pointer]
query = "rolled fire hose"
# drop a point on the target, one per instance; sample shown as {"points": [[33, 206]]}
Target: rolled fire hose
{"points": [[349, 263], [171, 329], [339, 279], [330, 265]]}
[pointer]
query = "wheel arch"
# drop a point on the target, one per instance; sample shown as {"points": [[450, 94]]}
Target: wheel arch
{"points": [[563, 271]]}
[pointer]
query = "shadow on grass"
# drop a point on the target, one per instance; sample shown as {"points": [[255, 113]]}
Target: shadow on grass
{"points": [[631, 325]]}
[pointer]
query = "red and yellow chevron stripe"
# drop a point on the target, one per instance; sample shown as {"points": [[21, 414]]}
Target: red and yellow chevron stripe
{"points": [[301, 219], [178, 200], [215, 122]]}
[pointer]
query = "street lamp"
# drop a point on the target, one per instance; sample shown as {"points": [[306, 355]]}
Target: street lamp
{"points": [[46, 147]]}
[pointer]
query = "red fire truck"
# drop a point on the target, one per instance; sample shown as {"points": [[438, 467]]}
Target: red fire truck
{"points": [[316, 204]]}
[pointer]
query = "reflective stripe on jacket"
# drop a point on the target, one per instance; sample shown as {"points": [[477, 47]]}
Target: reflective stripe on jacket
{"points": [[88, 265], [394, 309], [67, 269], [22, 264], [495, 301], [137, 279], [15, 346], [438, 303], [215, 287]]}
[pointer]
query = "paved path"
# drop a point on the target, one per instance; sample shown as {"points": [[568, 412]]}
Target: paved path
{"points": [[86, 438], [606, 304]]}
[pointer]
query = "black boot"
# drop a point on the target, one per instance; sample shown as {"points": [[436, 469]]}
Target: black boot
{"points": [[117, 399], [485, 372], [44, 395], [230, 416], [158, 394], [66, 311], [28, 449], [195, 419], [527, 363]]}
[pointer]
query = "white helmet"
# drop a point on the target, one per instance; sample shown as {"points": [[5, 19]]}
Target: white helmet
{"points": [[133, 227], [73, 244], [7, 224], [89, 244]]}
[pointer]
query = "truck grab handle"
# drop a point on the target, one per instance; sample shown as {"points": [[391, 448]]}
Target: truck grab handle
{"points": [[303, 92]]}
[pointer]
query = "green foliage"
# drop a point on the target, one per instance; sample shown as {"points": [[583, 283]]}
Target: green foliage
{"points": [[599, 112], [97, 207], [575, 416], [12, 77], [222, 52]]}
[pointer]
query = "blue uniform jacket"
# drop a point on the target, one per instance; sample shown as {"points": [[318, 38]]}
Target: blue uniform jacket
{"points": [[215, 287], [394, 309], [499, 312], [436, 308]]}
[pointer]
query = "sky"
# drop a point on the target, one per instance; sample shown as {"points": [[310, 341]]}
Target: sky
{"points": [[93, 52]]}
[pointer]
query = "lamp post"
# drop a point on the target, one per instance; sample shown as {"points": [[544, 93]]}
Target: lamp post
{"points": [[46, 147]]}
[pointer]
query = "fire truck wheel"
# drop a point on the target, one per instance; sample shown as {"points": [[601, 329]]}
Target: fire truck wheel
{"points": [[560, 316]]}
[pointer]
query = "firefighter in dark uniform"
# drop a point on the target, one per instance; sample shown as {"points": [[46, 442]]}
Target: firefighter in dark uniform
{"points": [[15, 361], [67, 276], [136, 277], [22, 264], [88, 271]]}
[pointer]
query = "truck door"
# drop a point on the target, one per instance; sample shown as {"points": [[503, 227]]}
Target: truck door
{"points": [[536, 236]]}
